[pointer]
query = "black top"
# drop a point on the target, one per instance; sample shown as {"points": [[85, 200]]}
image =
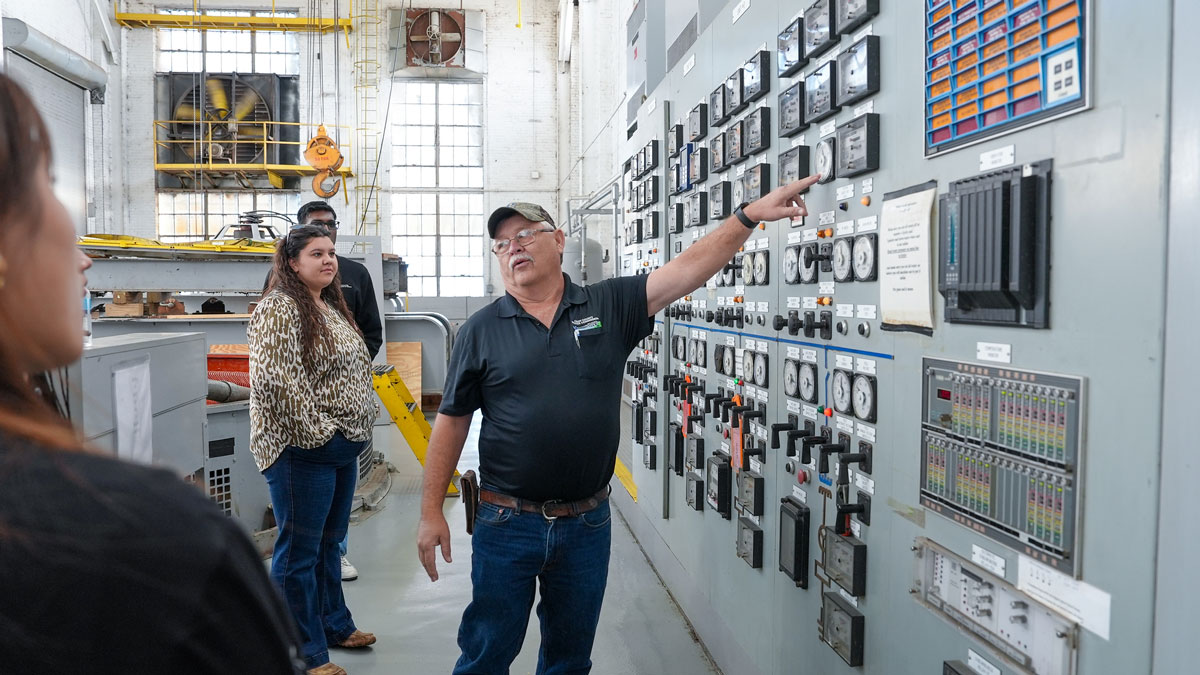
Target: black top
{"points": [[359, 292], [550, 398], [109, 567]]}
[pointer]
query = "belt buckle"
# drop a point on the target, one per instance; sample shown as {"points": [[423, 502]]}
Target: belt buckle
{"points": [[544, 514]]}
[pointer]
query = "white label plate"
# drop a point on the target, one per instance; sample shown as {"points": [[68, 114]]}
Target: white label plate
{"points": [[739, 289], [866, 311], [845, 192], [868, 186], [762, 307], [845, 310], [793, 302], [739, 9], [868, 107], [843, 361], [793, 352], [845, 424], [865, 432], [809, 236], [1077, 600], [827, 218], [756, 466], [864, 483], [826, 287], [988, 560], [849, 598], [844, 228], [856, 529], [868, 224], [795, 237], [810, 302], [689, 64], [998, 158], [865, 366], [977, 663], [793, 407], [827, 128], [809, 355], [800, 495], [993, 351], [809, 411]]}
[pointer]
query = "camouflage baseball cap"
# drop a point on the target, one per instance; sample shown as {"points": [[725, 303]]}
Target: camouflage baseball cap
{"points": [[533, 212]]}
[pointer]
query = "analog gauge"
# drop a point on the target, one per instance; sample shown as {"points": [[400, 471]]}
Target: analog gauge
{"points": [[819, 93], [809, 264], [748, 268], [685, 218], [716, 107], [718, 360], [760, 268], [760, 370], [739, 193], [701, 358], [733, 143], [853, 13], [864, 257], [748, 365], [841, 391], [791, 378], [791, 264], [691, 351], [727, 361], [808, 382], [842, 269], [791, 111], [680, 348], [825, 159], [864, 398], [716, 153], [858, 71], [727, 275], [789, 56], [818, 28]]}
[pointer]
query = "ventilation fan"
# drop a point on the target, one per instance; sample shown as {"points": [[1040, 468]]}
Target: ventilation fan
{"points": [[234, 112], [434, 38]]}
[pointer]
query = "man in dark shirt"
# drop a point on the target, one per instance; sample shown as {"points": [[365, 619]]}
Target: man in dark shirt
{"points": [[360, 298], [544, 363]]}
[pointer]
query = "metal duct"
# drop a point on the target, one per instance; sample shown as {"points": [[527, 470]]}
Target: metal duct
{"points": [[55, 57]]}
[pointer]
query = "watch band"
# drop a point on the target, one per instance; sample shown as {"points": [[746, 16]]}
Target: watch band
{"points": [[741, 215]]}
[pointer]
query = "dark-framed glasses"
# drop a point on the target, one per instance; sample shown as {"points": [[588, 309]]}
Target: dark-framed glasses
{"points": [[330, 224], [524, 238]]}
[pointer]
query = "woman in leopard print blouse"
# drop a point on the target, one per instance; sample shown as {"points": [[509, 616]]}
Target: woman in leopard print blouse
{"points": [[311, 410]]}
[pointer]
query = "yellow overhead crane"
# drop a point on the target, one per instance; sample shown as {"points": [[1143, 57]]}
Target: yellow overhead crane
{"points": [[200, 21]]}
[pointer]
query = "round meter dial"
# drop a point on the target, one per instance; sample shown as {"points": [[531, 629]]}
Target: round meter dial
{"points": [[748, 365], [864, 257], [680, 348], [791, 264], [841, 391], [717, 360], [760, 268], [791, 378], [842, 270], [691, 351], [727, 275], [760, 370], [864, 398], [701, 357], [727, 361], [747, 268], [809, 264], [824, 160], [808, 382]]}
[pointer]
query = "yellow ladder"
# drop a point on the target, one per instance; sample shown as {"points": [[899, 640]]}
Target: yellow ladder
{"points": [[406, 413]]}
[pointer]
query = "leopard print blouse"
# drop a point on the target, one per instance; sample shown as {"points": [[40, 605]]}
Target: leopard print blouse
{"points": [[294, 405]]}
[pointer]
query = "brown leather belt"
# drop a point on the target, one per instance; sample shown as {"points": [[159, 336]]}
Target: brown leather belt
{"points": [[549, 510]]}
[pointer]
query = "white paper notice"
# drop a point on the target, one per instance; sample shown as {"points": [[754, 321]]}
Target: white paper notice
{"points": [[905, 269], [1078, 600], [133, 416]]}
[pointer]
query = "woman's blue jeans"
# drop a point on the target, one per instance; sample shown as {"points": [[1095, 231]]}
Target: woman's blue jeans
{"points": [[312, 492], [511, 551]]}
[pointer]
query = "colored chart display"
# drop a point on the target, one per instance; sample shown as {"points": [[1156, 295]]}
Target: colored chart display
{"points": [[993, 66]]}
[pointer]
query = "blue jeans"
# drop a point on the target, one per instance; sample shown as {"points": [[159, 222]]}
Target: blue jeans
{"points": [[312, 492], [511, 551]]}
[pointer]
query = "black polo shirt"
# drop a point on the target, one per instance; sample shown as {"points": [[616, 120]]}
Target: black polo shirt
{"points": [[550, 398]]}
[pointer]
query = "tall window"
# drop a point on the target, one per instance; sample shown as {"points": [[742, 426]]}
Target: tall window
{"points": [[228, 51], [188, 216], [437, 185]]}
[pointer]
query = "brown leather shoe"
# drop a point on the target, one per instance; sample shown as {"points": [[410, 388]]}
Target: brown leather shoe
{"points": [[358, 639], [327, 669]]}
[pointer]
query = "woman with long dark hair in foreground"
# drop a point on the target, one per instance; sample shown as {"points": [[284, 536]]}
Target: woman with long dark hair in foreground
{"points": [[105, 566]]}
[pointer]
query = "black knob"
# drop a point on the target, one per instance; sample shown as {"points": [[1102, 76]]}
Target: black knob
{"points": [[841, 524], [810, 324], [735, 413], [812, 254], [807, 444], [708, 316], [738, 318], [721, 409], [779, 322], [845, 459], [708, 402], [864, 329], [843, 328], [776, 428], [793, 436], [693, 420], [761, 320], [794, 323], [828, 449]]}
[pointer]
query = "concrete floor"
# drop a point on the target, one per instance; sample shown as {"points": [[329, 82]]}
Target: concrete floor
{"points": [[641, 628]]}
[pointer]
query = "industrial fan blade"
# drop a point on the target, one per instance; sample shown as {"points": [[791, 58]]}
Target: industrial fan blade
{"points": [[186, 112], [217, 96], [246, 105], [255, 130]]}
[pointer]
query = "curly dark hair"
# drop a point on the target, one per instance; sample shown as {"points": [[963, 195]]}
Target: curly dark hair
{"points": [[286, 281]]}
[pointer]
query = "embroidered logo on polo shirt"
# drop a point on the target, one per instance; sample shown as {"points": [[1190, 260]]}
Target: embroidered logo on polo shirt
{"points": [[586, 326]]}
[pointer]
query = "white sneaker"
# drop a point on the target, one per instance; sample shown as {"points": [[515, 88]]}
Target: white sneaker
{"points": [[349, 572]]}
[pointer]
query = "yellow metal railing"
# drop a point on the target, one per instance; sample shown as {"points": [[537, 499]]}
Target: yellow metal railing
{"points": [[212, 147], [200, 21]]}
